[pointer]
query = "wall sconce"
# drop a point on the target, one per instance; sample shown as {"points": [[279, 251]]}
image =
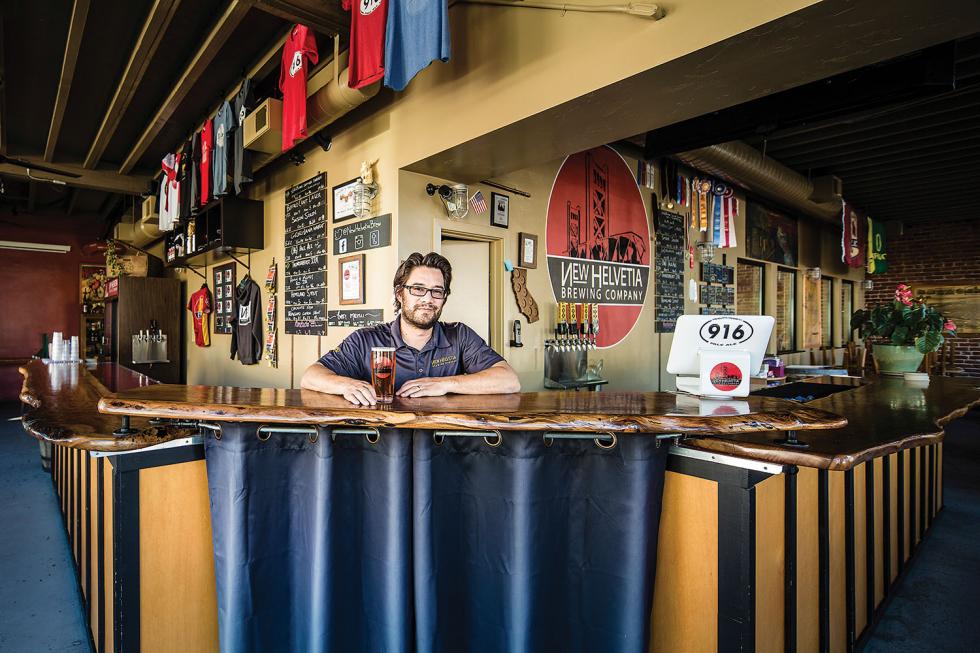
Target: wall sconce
{"points": [[364, 195], [706, 250], [813, 273], [868, 284], [454, 197]]}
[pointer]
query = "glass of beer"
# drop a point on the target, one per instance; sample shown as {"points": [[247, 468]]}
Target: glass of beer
{"points": [[383, 373]]}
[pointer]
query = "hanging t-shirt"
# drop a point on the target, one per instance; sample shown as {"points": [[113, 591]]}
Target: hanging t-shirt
{"points": [[246, 322], [223, 125], [200, 306], [195, 171], [184, 166], [242, 170], [300, 47], [169, 208], [417, 34], [367, 41], [207, 144]]}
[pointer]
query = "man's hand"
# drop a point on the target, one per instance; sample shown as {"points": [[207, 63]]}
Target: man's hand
{"points": [[357, 392], [426, 387]]}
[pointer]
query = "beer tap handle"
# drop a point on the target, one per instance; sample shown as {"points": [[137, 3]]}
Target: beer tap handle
{"points": [[595, 325]]}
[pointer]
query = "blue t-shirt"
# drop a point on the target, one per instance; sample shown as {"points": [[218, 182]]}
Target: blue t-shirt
{"points": [[453, 349], [416, 34]]}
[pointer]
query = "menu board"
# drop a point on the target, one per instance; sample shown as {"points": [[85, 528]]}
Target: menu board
{"points": [[717, 294], [715, 273], [668, 271], [224, 296], [717, 310], [356, 318], [305, 287]]}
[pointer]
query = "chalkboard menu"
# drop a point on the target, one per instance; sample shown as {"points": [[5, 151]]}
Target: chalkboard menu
{"points": [[717, 294], [359, 236], [305, 287], [356, 318], [717, 310], [715, 273], [668, 271]]}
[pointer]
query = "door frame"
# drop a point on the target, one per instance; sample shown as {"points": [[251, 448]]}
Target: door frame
{"points": [[491, 235]]}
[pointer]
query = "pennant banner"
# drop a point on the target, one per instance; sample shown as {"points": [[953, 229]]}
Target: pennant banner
{"points": [[877, 256], [854, 236]]}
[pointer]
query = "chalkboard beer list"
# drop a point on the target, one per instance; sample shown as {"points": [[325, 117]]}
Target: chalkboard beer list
{"points": [[668, 271], [306, 257]]}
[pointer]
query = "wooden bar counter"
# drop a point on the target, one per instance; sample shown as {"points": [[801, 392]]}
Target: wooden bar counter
{"points": [[762, 546]]}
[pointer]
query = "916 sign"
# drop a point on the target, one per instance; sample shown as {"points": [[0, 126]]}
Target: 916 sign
{"points": [[726, 331]]}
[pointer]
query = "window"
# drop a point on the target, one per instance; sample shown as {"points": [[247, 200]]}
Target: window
{"points": [[826, 312], [749, 284], [846, 308], [785, 310]]}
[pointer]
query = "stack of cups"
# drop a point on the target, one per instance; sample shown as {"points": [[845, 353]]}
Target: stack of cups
{"points": [[57, 346], [73, 351]]}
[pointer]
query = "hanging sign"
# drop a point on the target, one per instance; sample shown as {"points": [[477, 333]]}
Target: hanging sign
{"points": [[359, 236], [877, 256], [598, 240], [669, 271], [854, 237]]}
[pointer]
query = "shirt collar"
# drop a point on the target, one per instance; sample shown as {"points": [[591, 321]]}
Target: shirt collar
{"points": [[437, 341]]}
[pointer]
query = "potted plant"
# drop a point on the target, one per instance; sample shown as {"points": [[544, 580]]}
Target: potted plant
{"points": [[903, 331]]}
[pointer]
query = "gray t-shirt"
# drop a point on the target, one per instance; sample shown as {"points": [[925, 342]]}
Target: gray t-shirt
{"points": [[224, 122], [243, 166]]}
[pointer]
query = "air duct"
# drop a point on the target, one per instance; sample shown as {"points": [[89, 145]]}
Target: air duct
{"points": [[743, 165]]}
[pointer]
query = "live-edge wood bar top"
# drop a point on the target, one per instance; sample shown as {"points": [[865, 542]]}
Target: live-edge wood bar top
{"points": [[611, 412], [884, 415], [61, 400]]}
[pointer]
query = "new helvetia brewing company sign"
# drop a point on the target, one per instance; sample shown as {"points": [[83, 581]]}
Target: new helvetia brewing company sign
{"points": [[598, 240]]}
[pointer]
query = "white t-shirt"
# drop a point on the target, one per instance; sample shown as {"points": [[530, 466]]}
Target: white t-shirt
{"points": [[169, 207]]}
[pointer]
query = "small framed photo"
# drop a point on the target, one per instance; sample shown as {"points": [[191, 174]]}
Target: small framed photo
{"points": [[499, 210], [227, 275], [343, 200], [352, 279], [218, 293], [527, 250], [228, 306]]}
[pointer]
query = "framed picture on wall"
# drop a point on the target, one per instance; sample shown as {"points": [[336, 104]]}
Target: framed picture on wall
{"points": [[343, 200], [499, 210], [352, 279], [527, 250]]}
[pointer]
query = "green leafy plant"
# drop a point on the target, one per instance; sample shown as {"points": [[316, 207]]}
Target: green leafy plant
{"points": [[904, 321]]}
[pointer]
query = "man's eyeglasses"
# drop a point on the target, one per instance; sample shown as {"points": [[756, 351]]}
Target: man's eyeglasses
{"points": [[419, 291]]}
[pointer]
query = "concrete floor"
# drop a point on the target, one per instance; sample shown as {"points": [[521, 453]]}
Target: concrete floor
{"points": [[40, 602], [935, 607], [41, 608]]}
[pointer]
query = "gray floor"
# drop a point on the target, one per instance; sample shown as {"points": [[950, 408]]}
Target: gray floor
{"points": [[40, 605], [935, 608]]}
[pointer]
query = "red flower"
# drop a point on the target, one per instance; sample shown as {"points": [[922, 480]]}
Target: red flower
{"points": [[903, 294], [949, 326]]}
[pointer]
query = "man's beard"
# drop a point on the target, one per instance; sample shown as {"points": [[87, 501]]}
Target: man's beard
{"points": [[417, 319]]}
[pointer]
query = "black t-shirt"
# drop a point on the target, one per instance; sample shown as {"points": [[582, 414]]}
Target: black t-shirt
{"points": [[242, 169], [184, 178]]}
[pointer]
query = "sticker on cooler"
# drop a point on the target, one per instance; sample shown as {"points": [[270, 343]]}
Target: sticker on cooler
{"points": [[725, 376], [726, 331]]}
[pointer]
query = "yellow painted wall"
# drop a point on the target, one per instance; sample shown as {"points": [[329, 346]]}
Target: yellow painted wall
{"points": [[545, 59]]}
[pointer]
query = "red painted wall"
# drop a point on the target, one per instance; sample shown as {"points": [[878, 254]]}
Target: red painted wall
{"points": [[934, 253], [40, 291]]}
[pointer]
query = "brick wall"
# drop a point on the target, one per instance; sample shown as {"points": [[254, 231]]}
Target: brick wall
{"points": [[930, 253]]}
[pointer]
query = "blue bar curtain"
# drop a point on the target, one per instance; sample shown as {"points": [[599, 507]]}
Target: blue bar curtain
{"points": [[410, 544]]}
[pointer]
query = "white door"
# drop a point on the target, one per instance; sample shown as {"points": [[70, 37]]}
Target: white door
{"points": [[469, 302]]}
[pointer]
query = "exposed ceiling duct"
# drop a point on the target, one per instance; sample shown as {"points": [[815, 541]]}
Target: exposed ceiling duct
{"points": [[745, 166]]}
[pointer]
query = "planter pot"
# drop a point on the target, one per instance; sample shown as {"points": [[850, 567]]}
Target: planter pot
{"points": [[897, 359]]}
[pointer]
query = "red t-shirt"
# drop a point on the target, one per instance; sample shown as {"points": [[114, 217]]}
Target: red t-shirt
{"points": [[200, 307], [300, 46], [207, 145], [367, 41]]}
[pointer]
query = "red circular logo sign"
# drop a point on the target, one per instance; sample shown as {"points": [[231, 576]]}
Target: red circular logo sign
{"points": [[598, 240], [725, 376]]}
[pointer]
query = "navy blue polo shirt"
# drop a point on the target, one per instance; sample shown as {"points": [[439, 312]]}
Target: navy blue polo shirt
{"points": [[453, 349]]}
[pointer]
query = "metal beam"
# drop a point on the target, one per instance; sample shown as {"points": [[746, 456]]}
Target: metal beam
{"points": [[323, 17], [146, 46], [111, 182], [3, 95], [76, 30], [72, 199], [198, 66]]}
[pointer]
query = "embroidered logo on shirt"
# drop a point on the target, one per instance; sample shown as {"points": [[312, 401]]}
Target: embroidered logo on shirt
{"points": [[244, 314], [368, 6], [296, 64], [445, 360]]}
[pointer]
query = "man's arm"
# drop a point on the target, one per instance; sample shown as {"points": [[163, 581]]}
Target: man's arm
{"points": [[496, 379], [320, 378]]}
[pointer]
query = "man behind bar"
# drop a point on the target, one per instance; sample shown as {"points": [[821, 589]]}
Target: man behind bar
{"points": [[432, 358]]}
